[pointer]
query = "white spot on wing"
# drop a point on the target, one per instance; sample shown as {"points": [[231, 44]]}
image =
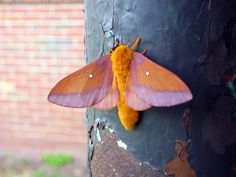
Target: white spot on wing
{"points": [[90, 75], [147, 73]]}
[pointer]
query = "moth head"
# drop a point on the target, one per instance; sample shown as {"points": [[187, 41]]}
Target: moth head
{"points": [[122, 52], [115, 47]]}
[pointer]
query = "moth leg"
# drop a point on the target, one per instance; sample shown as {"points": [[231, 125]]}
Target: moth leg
{"points": [[111, 50], [144, 52], [135, 43]]}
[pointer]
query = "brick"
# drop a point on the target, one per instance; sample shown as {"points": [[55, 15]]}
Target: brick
{"points": [[6, 1], [27, 119]]}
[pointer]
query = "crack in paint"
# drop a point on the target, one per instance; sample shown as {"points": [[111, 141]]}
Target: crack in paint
{"points": [[200, 10], [90, 151]]}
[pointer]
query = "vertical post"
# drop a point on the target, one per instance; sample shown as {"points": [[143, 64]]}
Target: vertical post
{"points": [[196, 40]]}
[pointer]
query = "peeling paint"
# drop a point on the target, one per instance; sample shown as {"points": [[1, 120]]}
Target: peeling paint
{"points": [[97, 120], [180, 166], [91, 148], [98, 135], [97, 130], [218, 127], [109, 34], [111, 130], [122, 144], [116, 161]]}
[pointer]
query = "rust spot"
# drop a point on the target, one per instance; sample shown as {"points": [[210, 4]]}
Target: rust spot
{"points": [[218, 127], [111, 160], [234, 169], [180, 166]]}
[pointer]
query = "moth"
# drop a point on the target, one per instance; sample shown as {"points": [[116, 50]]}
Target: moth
{"points": [[124, 78]]}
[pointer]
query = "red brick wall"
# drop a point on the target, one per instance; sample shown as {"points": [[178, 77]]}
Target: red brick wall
{"points": [[38, 1], [39, 45]]}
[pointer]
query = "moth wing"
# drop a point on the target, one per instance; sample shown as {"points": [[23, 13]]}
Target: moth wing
{"points": [[133, 100], [110, 99], [156, 85], [85, 87]]}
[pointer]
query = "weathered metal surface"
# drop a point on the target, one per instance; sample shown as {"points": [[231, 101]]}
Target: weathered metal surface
{"points": [[194, 39], [111, 159]]}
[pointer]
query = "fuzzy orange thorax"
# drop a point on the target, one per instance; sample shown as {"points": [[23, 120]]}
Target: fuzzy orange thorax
{"points": [[121, 58]]}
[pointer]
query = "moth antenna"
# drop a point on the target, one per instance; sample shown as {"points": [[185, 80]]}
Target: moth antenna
{"points": [[144, 52], [135, 43], [128, 44]]}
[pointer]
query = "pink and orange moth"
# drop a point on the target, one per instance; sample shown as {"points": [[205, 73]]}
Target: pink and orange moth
{"points": [[123, 78]]}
